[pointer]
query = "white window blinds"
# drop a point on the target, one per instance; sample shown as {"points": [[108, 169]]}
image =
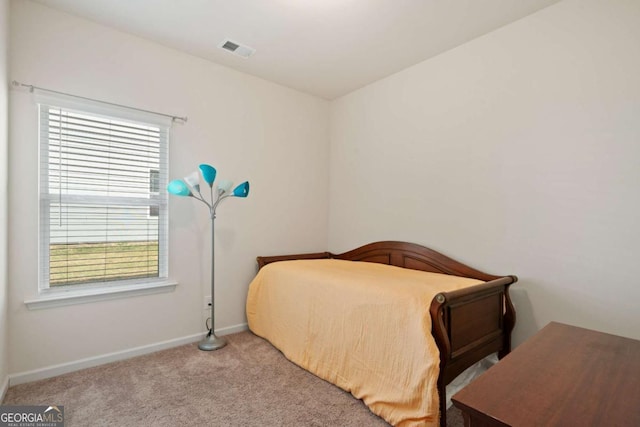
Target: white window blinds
{"points": [[103, 208]]}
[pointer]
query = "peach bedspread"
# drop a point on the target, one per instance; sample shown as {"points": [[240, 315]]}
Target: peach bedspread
{"points": [[364, 327]]}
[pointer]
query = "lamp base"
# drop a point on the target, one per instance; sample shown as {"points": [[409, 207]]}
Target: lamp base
{"points": [[212, 342]]}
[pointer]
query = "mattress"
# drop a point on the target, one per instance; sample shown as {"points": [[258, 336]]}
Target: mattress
{"points": [[362, 326]]}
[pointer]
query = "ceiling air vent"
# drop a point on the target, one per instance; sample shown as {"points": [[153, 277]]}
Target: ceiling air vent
{"points": [[236, 48]]}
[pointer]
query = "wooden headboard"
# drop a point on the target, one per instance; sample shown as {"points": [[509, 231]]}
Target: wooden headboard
{"points": [[399, 254], [413, 256]]}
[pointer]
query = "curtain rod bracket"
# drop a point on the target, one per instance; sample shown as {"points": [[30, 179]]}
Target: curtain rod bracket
{"points": [[18, 84]]}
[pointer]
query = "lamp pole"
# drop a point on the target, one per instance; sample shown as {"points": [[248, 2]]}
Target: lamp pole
{"points": [[211, 341]]}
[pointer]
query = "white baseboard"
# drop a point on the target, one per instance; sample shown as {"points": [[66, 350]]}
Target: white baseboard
{"points": [[3, 388], [231, 329], [64, 368]]}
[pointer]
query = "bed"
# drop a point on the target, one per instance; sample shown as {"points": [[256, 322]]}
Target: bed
{"points": [[333, 314]]}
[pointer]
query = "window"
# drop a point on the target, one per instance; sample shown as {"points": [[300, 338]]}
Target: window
{"points": [[103, 218]]}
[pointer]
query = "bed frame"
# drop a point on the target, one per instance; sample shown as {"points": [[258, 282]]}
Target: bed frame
{"points": [[467, 325]]}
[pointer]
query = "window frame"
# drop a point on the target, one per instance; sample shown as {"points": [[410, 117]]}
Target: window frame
{"points": [[86, 292]]}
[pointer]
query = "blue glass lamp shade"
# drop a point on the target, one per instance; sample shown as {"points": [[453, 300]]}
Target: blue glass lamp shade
{"points": [[242, 190], [178, 188], [208, 173]]}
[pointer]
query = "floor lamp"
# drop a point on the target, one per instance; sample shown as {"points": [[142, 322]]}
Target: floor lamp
{"points": [[190, 187]]}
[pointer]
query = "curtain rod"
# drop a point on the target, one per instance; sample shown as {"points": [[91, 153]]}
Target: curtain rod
{"points": [[32, 88]]}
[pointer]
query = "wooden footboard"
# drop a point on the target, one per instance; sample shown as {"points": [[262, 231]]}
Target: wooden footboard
{"points": [[467, 325]]}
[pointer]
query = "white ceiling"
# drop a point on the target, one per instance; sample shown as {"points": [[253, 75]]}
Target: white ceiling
{"points": [[326, 48]]}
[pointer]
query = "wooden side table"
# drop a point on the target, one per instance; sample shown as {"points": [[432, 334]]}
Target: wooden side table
{"points": [[562, 376]]}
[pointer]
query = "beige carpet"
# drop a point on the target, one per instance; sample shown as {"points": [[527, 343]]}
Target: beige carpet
{"points": [[247, 383]]}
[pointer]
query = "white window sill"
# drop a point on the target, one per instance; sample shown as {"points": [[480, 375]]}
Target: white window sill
{"points": [[59, 298]]}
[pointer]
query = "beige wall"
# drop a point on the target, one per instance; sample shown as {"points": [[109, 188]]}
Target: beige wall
{"points": [[517, 153], [4, 319], [247, 127]]}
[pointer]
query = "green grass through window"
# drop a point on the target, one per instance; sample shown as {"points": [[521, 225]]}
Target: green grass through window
{"points": [[78, 263]]}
